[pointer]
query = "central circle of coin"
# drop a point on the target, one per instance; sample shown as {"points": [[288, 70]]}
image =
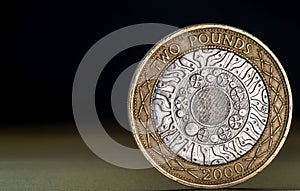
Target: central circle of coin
{"points": [[210, 107]]}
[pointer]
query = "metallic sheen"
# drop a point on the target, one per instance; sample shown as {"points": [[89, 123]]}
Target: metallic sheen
{"points": [[210, 106]]}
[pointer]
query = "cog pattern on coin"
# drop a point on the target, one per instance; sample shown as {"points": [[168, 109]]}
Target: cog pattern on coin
{"points": [[210, 106]]}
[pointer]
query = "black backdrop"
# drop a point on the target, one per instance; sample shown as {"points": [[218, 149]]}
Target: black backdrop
{"points": [[43, 43]]}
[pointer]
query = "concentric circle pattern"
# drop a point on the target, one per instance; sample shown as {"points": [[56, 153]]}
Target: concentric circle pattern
{"points": [[210, 106], [217, 105]]}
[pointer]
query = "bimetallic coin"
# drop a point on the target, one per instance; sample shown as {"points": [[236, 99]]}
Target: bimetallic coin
{"points": [[210, 106]]}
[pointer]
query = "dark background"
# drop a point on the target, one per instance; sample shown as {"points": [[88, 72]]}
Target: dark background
{"points": [[43, 43]]}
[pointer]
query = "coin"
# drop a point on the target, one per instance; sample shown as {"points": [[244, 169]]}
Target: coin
{"points": [[210, 106]]}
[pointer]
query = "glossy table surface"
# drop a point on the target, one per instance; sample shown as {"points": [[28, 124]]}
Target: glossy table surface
{"points": [[54, 157]]}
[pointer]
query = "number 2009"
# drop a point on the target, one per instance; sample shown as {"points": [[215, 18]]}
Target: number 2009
{"points": [[226, 172]]}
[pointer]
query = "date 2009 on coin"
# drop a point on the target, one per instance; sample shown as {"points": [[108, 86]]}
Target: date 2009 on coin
{"points": [[225, 172], [210, 106]]}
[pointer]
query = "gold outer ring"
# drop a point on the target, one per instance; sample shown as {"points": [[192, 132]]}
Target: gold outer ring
{"points": [[258, 157]]}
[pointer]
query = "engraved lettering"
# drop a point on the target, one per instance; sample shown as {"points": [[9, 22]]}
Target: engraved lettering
{"points": [[192, 40], [154, 64], [228, 172], [174, 49], [207, 174], [217, 174], [203, 38], [209, 106], [239, 43], [216, 38], [164, 57], [228, 40], [238, 167], [248, 47]]}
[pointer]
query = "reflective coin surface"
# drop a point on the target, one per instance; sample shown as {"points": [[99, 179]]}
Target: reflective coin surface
{"points": [[210, 106]]}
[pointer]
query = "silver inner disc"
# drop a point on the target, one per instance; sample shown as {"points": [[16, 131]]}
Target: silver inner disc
{"points": [[210, 106]]}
